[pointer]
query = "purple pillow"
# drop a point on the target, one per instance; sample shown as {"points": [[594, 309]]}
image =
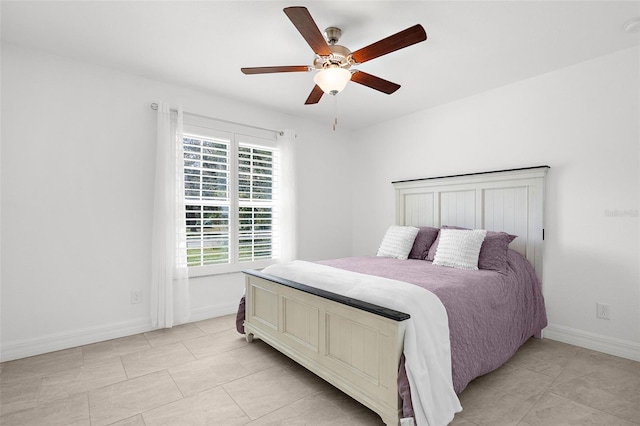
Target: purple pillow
{"points": [[493, 253], [425, 238]]}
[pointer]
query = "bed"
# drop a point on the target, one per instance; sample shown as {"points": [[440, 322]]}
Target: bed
{"points": [[361, 323]]}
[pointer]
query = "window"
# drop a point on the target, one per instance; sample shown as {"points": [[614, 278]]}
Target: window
{"points": [[231, 195], [256, 209]]}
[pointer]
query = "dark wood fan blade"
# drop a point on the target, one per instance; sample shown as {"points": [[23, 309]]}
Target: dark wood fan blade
{"points": [[267, 70], [390, 44], [374, 82], [301, 18], [314, 96]]}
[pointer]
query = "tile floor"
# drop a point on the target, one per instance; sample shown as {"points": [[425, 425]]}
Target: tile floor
{"points": [[205, 373]]}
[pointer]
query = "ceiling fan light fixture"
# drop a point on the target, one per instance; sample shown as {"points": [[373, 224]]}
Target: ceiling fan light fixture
{"points": [[332, 80], [332, 61]]}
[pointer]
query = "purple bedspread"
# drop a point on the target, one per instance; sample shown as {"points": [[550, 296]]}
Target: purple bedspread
{"points": [[491, 314]]}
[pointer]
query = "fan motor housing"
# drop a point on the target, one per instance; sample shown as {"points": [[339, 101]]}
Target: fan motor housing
{"points": [[340, 56]]}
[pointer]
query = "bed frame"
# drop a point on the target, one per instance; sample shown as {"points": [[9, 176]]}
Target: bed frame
{"points": [[356, 346]]}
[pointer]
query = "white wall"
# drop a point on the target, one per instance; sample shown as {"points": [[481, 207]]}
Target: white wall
{"points": [[77, 176], [77, 171], [583, 121]]}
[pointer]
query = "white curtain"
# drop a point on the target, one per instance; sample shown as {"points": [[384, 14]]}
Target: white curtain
{"points": [[287, 207], [169, 276]]}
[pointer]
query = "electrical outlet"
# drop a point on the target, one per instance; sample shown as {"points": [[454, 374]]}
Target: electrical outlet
{"points": [[136, 297], [603, 311]]}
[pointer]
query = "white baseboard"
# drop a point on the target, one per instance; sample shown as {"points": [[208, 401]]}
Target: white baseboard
{"points": [[71, 339], [596, 342], [85, 336]]}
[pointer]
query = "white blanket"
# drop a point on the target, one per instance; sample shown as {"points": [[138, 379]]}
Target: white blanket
{"points": [[427, 352]]}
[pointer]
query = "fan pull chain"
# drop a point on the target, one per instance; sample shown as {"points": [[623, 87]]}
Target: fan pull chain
{"points": [[335, 112]]}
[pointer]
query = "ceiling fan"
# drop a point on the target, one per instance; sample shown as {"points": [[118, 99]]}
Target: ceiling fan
{"points": [[333, 62]]}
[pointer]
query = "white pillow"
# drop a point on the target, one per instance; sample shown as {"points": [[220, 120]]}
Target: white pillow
{"points": [[459, 248], [398, 241]]}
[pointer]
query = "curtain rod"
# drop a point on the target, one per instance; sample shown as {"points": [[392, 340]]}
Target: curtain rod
{"points": [[154, 106]]}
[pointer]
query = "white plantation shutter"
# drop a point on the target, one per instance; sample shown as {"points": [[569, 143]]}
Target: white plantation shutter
{"points": [[231, 200], [206, 185], [256, 202]]}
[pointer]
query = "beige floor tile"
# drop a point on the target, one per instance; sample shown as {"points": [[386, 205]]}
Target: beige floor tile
{"points": [[518, 382], [126, 399], [81, 379], [70, 411], [458, 420], [558, 411], [140, 363], [309, 378], [544, 356], [214, 344], [324, 408], [266, 391], [609, 389], [284, 416], [212, 407], [552, 348], [258, 356], [334, 408], [610, 360], [548, 349], [111, 350], [44, 364], [18, 392], [586, 363], [551, 367], [180, 333], [131, 421], [486, 406], [207, 373], [545, 383], [216, 325]]}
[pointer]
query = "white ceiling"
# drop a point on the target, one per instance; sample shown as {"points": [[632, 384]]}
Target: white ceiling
{"points": [[472, 46]]}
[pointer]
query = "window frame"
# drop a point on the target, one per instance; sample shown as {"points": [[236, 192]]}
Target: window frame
{"points": [[237, 136]]}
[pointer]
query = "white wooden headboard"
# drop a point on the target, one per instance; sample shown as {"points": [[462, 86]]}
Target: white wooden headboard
{"points": [[507, 200]]}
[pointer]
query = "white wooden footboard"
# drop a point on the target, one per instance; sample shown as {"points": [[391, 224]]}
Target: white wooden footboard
{"points": [[356, 348]]}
